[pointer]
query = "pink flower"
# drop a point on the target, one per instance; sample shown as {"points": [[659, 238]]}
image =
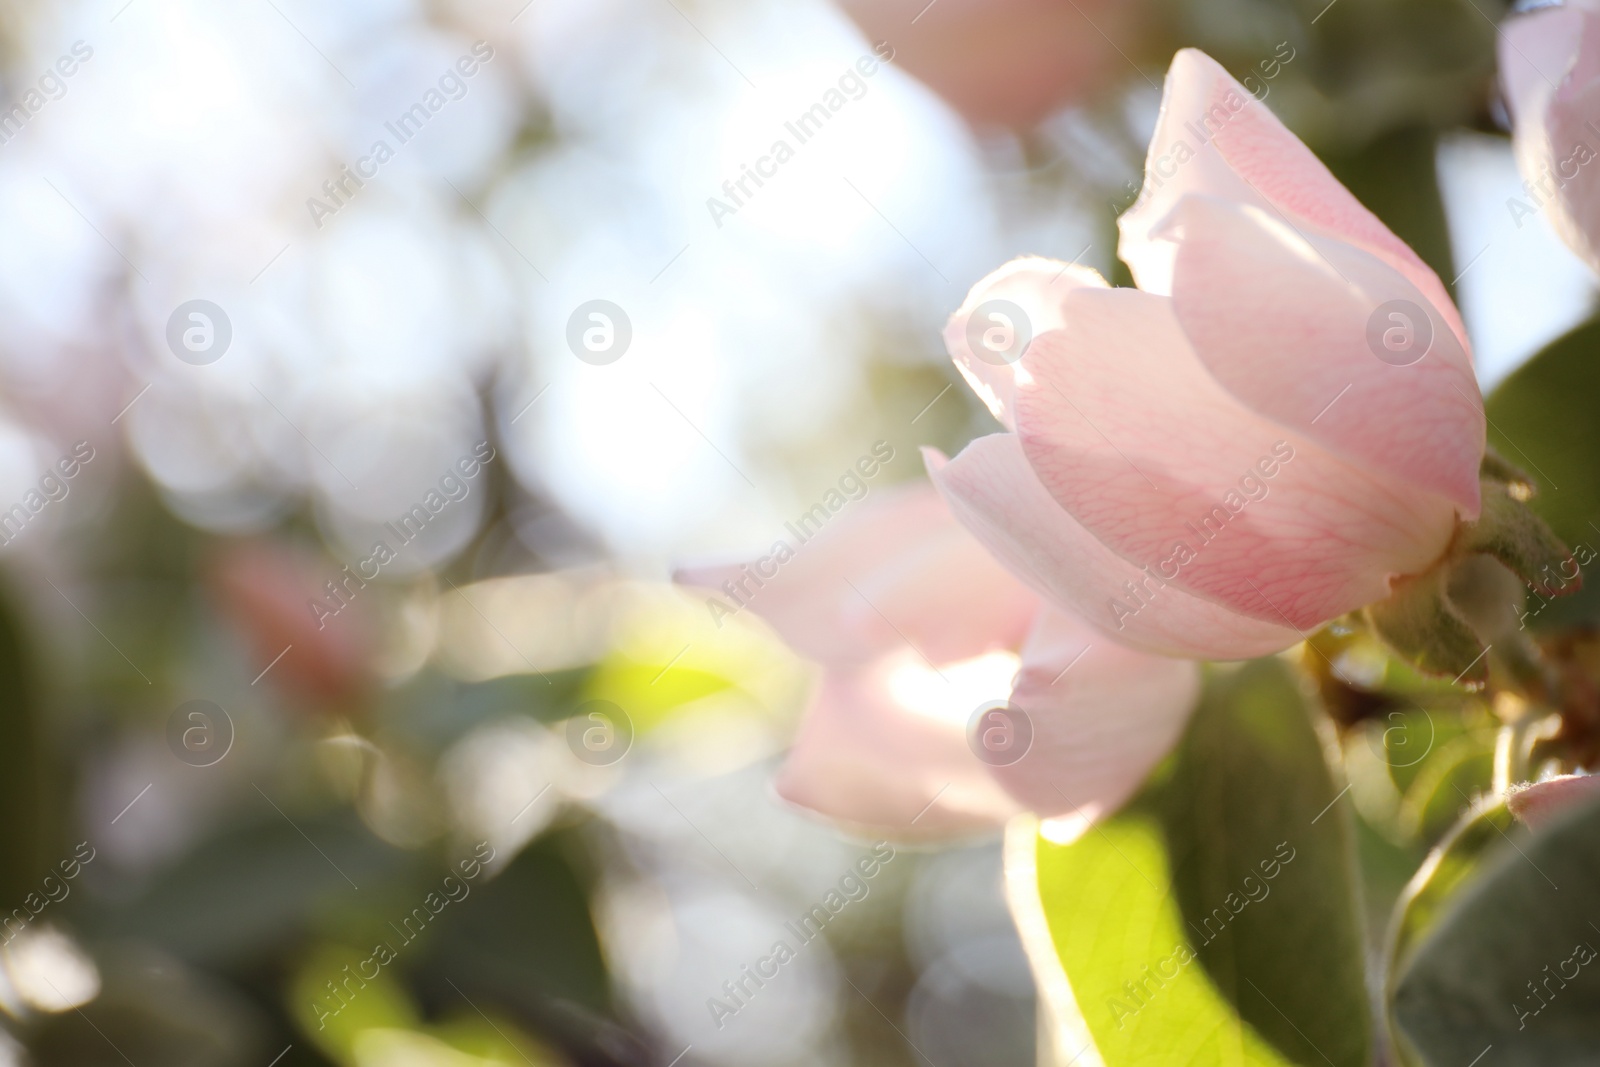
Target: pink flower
{"points": [[1550, 71], [1537, 803], [1279, 421], [917, 629]]}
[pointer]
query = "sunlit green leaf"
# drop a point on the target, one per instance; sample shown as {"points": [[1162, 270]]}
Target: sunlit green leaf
{"points": [[1478, 831], [1459, 769], [1214, 920]]}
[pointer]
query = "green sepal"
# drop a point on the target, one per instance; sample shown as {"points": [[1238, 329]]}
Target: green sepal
{"points": [[1496, 467], [1510, 531], [1420, 624]]}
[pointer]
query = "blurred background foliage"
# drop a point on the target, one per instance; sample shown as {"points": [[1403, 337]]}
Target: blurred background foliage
{"points": [[374, 749]]}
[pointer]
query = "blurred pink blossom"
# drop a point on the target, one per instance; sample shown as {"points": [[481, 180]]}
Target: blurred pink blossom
{"points": [[266, 590], [1007, 62], [1550, 72], [917, 630]]}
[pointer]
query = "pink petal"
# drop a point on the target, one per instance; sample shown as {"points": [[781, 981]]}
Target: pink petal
{"points": [[1242, 152], [1574, 211], [1033, 285], [884, 749], [1536, 52], [1288, 324], [1127, 431], [1551, 71], [1102, 716], [992, 489], [891, 569], [1540, 802]]}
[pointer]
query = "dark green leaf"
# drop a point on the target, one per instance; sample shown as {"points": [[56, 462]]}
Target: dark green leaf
{"points": [[1542, 419], [1508, 959], [1396, 177], [1446, 869], [526, 935], [249, 891], [22, 769], [1214, 920]]}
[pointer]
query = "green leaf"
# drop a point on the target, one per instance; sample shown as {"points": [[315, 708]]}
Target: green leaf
{"points": [[1421, 625], [1462, 767], [1447, 868], [1541, 418], [525, 938], [334, 1009], [243, 894], [22, 769], [1497, 962], [150, 1013], [1214, 920]]}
